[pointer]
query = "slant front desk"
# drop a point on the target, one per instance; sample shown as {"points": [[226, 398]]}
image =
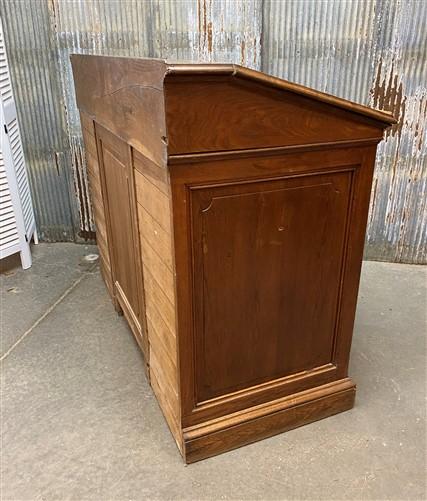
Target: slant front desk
{"points": [[230, 210]]}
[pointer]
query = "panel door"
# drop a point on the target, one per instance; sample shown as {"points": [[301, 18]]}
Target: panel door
{"points": [[117, 179], [268, 253], [267, 260]]}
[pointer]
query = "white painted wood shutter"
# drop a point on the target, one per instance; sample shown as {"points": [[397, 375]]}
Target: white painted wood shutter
{"points": [[17, 223]]}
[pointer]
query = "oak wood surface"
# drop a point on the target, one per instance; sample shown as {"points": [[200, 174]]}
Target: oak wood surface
{"points": [[254, 424], [352, 167], [117, 179], [95, 190], [154, 220], [126, 95], [237, 71]]}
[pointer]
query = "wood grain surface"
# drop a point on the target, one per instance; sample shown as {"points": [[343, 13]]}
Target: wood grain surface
{"points": [[154, 220], [222, 114], [231, 210], [117, 178], [97, 199], [265, 296]]}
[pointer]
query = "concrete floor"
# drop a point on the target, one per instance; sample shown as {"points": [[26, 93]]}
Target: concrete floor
{"points": [[79, 420]]}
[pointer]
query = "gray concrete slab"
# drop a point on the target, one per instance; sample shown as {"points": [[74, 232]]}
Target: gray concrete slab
{"points": [[57, 267], [80, 421]]}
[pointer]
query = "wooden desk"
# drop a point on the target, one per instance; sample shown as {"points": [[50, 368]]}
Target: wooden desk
{"points": [[231, 209]]}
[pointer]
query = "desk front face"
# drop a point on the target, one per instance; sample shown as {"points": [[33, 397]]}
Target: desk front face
{"points": [[268, 252]]}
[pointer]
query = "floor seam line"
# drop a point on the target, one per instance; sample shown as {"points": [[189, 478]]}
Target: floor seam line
{"points": [[45, 314]]}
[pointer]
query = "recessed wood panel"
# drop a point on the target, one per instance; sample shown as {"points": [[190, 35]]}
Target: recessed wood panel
{"points": [[267, 266], [118, 181]]}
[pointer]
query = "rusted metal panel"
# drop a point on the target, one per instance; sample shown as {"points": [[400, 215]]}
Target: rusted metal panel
{"points": [[369, 51], [186, 30], [39, 42], [372, 52], [398, 215]]}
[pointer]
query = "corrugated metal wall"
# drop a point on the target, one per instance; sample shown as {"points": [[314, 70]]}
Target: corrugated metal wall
{"points": [[373, 52], [370, 51], [35, 70]]}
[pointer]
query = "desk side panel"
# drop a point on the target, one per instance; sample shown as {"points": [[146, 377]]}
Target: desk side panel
{"points": [[268, 253], [125, 96], [126, 100]]}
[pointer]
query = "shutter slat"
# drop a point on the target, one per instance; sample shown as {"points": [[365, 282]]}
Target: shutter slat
{"points": [[15, 192]]}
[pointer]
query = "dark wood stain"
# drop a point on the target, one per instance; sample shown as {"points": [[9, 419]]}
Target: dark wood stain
{"points": [[231, 210], [266, 241], [238, 114]]}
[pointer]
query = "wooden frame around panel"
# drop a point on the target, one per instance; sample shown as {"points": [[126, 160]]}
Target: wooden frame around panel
{"points": [[184, 177]]}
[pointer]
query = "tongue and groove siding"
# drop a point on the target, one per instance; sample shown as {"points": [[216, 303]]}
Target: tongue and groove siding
{"points": [[97, 205], [154, 220]]}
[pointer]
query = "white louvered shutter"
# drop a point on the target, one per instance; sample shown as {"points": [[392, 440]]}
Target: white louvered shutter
{"points": [[17, 223]]}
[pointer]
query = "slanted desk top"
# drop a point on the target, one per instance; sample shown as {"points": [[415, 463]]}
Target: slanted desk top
{"points": [[231, 209]]}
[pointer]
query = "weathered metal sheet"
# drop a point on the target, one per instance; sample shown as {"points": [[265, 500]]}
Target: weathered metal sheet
{"points": [[34, 71], [40, 38], [372, 52], [180, 30]]}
